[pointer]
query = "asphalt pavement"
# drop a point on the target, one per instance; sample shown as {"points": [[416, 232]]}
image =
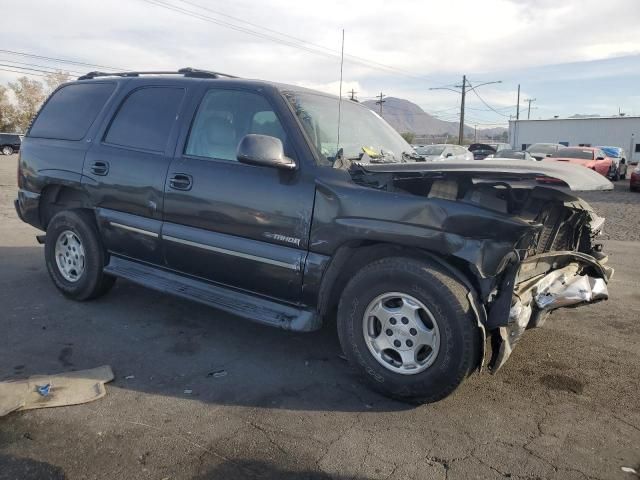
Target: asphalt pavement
{"points": [[200, 394]]}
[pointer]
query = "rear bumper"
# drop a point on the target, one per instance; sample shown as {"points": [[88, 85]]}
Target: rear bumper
{"points": [[28, 207]]}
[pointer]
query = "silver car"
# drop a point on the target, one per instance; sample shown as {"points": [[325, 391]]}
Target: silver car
{"points": [[442, 152]]}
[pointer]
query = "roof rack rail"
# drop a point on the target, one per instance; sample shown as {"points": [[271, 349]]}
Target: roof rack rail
{"points": [[187, 72]]}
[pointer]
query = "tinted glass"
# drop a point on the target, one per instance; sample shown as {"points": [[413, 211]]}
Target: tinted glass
{"points": [[580, 153], [224, 117], [71, 110], [145, 118]]}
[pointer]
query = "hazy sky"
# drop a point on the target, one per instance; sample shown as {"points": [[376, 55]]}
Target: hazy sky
{"points": [[573, 56]]}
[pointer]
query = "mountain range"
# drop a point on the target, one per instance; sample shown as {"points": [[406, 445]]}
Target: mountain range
{"points": [[406, 116]]}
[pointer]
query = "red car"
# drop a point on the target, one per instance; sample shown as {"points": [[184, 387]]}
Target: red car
{"points": [[589, 157], [634, 181]]}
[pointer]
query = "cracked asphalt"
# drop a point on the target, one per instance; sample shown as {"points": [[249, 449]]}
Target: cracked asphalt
{"points": [[269, 404]]}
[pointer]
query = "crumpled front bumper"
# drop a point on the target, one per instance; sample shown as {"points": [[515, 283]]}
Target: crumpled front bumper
{"points": [[566, 280]]}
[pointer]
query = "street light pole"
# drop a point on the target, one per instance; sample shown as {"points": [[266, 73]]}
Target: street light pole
{"points": [[463, 91]]}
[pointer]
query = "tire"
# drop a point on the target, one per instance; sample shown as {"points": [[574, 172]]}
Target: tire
{"points": [[616, 175], [7, 150], [451, 318], [74, 236]]}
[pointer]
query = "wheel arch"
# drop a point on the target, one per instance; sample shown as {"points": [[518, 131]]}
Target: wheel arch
{"points": [[354, 255], [56, 197]]}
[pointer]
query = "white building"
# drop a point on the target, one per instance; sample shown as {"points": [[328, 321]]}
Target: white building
{"points": [[619, 131]]}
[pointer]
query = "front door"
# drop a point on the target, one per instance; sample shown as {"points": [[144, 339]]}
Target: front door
{"points": [[125, 169], [239, 225]]}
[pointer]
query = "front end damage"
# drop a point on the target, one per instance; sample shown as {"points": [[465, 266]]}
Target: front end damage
{"points": [[547, 258]]}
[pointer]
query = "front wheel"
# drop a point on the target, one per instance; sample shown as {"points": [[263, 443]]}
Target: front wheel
{"points": [[408, 327], [75, 256], [7, 150]]}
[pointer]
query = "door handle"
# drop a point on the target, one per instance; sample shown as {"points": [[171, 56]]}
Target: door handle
{"points": [[100, 168], [181, 181]]}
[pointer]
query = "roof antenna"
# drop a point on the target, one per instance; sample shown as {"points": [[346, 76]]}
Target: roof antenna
{"points": [[340, 99]]}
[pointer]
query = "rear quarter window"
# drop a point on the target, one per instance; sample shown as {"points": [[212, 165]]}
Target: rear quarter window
{"points": [[71, 111], [145, 118]]}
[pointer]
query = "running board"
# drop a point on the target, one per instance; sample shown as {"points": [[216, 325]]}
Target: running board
{"points": [[241, 304]]}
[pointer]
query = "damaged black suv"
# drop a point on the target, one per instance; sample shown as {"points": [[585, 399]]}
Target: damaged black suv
{"points": [[261, 200]]}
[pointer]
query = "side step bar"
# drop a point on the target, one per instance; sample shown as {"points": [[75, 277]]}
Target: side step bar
{"points": [[244, 305]]}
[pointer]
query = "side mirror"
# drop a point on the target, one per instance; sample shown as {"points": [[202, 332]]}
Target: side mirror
{"points": [[548, 155], [263, 150], [599, 158], [448, 155]]}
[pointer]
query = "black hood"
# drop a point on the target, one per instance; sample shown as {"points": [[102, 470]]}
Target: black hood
{"points": [[578, 178]]}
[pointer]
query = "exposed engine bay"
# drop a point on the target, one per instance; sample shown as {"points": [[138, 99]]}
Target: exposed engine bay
{"points": [[555, 263]]}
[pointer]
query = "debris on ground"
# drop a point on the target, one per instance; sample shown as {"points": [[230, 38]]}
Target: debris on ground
{"points": [[129, 377], [629, 470], [188, 392], [217, 374], [42, 391]]}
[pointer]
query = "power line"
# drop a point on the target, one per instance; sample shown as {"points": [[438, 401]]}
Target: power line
{"points": [[294, 42], [55, 69], [22, 72], [487, 105], [60, 60]]}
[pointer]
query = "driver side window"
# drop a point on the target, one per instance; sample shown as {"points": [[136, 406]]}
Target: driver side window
{"points": [[224, 117]]}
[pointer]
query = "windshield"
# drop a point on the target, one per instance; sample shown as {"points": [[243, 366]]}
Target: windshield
{"points": [[430, 150], [614, 152], [361, 129], [574, 153], [542, 148]]}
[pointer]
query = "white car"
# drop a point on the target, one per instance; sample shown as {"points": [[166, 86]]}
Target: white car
{"points": [[442, 152]]}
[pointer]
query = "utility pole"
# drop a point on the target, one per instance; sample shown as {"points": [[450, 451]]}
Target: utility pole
{"points": [[518, 105], [475, 134], [353, 95], [381, 101], [464, 93], [529, 100]]}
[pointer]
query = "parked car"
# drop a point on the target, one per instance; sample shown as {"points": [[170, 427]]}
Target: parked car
{"points": [[235, 193], [634, 179], [544, 150], [589, 157], [442, 152], [10, 143], [619, 157], [513, 155], [482, 150]]}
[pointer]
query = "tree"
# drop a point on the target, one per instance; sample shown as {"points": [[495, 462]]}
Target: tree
{"points": [[55, 79], [7, 112], [29, 96], [408, 136]]}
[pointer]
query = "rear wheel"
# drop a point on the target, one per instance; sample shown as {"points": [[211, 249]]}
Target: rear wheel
{"points": [[75, 256], [616, 174], [407, 326], [7, 150]]}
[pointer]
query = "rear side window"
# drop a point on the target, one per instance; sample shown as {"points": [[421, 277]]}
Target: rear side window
{"points": [[71, 110], [145, 118]]}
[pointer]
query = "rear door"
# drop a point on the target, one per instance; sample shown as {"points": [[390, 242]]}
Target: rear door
{"points": [[240, 225], [125, 168]]}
